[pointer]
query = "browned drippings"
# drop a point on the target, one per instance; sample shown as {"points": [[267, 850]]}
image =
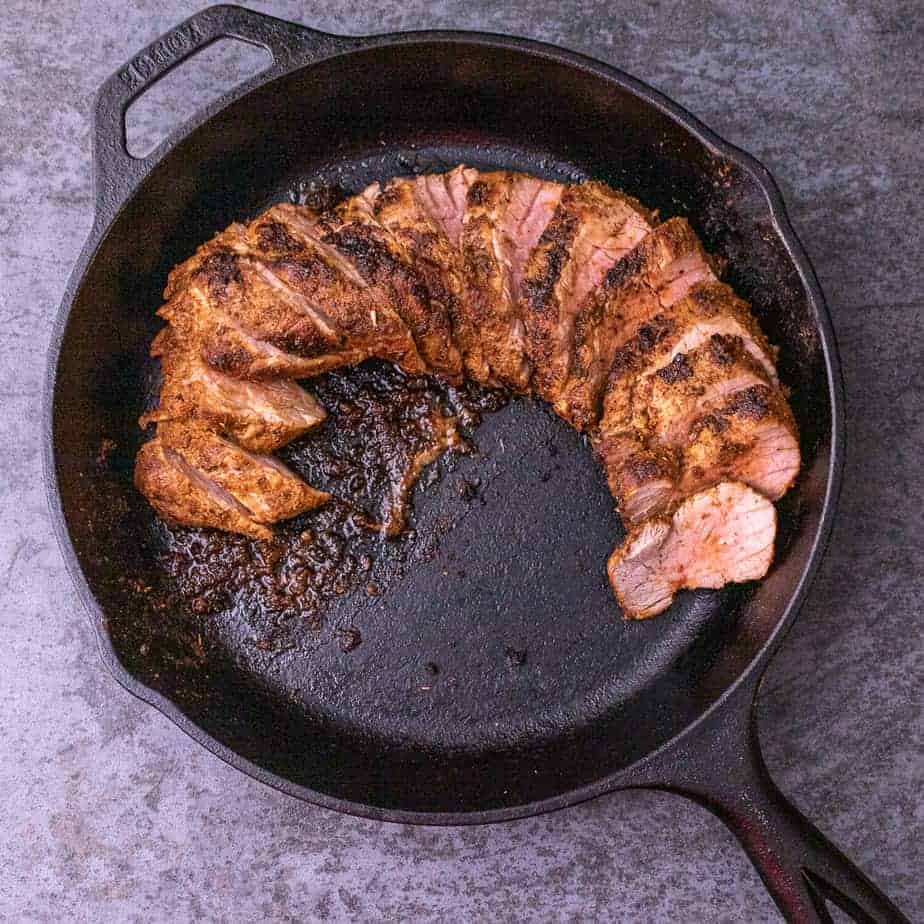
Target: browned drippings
{"points": [[444, 437], [383, 434]]}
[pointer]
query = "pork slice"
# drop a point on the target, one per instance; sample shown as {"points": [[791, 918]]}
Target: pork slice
{"points": [[303, 275], [259, 415], [668, 400], [707, 310], [713, 308], [530, 208], [751, 438], [442, 197], [483, 251], [364, 312], [592, 227], [656, 397], [181, 494], [642, 478], [264, 486], [229, 346], [224, 287], [439, 263], [285, 228], [648, 280], [389, 257], [720, 536]]}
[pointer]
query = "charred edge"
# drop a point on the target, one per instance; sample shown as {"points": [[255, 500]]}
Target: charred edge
{"points": [[370, 256], [305, 343], [231, 360], [752, 403], [646, 339], [392, 194], [677, 370], [219, 270], [477, 193], [557, 237], [715, 422], [274, 236], [625, 269], [640, 468], [324, 198], [724, 349], [309, 267], [651, 334]]}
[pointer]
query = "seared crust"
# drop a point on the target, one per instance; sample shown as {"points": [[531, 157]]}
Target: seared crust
{"points": [[646, 281], [751, 438], [264, 486], [492, 307], [693, 363], [592, 228], [183, 496], [388, 260], [708, 308]]}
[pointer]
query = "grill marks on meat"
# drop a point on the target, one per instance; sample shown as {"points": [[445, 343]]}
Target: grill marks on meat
{"points": [[751, 438], [665, 432], [389, 262], [402, 207], [363, 316], [720, 536], [592, 228], [568, 292], [651, 278], [668, 401]]}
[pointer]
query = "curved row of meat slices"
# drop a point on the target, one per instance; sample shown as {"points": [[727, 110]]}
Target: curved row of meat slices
{"points": [[572, 292]]}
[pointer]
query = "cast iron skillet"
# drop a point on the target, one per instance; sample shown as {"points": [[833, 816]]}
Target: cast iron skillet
{"points": [[597, 704]]}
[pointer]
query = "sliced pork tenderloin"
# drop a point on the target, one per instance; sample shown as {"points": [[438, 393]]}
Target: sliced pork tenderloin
{"points": [[681, 364], [389, 261], [485, 250], [182, 495], [592, 228], [666, 401], [720, 536], [268, 489], [646, 281], [397, 208], [751, 438], [442, 196], [259, 415]]}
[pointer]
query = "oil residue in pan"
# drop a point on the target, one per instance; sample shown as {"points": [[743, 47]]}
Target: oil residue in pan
{"points": [[382, 432]]}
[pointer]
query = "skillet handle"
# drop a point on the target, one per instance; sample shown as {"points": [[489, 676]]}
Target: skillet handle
{"points": [[719, 765], [116, 172]]}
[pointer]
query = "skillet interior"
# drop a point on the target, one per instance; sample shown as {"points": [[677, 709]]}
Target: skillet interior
{"points": [[594, 693]]}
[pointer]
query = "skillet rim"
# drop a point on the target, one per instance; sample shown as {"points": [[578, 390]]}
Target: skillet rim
{"points": [[106, 216]]}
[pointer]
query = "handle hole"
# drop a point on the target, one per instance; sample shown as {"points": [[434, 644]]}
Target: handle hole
{"points": [[192, 85]]}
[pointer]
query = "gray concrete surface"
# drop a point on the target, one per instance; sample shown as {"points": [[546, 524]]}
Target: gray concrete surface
{"points": [[109, 813]]}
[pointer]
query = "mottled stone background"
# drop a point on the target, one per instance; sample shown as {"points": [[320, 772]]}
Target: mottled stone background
{"points": [[109, 813]]}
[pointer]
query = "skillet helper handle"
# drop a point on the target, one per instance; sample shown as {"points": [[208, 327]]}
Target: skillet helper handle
{"points": [[116, 171], [721, 767]]}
